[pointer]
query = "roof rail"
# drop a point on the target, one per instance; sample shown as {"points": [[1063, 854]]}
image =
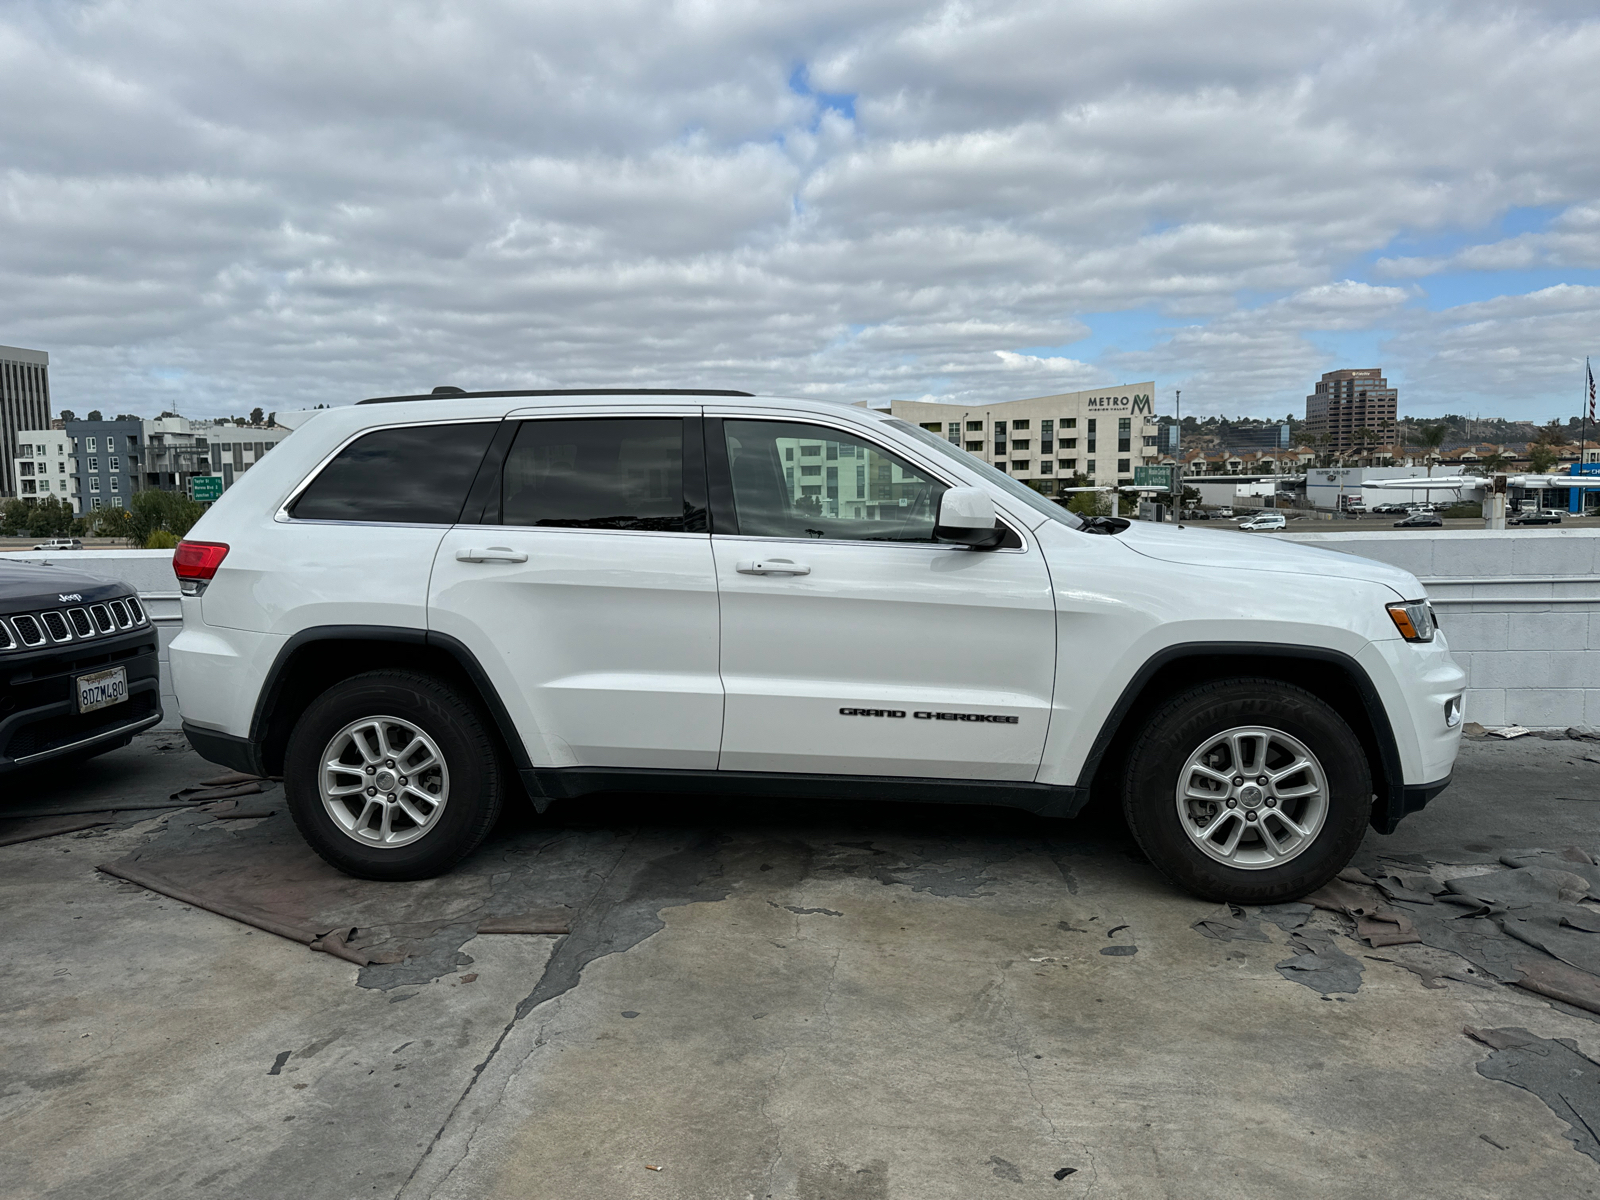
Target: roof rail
{"points": [[450, 393]]}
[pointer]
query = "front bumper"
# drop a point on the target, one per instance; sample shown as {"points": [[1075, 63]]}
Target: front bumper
{"points": [[38, 713]]}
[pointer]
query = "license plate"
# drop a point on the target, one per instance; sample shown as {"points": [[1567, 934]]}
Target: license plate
{"points": [[102, 689]]}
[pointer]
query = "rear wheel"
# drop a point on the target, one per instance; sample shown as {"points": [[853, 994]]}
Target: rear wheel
{"points": [[1250, 790], [393, 775]]}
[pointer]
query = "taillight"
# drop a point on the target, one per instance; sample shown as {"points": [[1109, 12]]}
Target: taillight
{"points": [[194, 563]]}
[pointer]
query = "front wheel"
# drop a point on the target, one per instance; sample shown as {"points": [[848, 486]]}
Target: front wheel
{"points": [[1249, 790], [392, 775]]}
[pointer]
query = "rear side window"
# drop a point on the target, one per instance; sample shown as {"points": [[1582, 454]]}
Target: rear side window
{"points": [[607, 473], [418, 475]]}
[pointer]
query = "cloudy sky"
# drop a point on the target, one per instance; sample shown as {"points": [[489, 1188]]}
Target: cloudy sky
{"points": [[209, 206]]}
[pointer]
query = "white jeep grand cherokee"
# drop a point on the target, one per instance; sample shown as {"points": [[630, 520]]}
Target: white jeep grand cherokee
{"points": [[418, 605]]}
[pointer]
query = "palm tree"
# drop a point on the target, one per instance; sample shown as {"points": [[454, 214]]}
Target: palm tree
{"points": [[1552, 435], [1494, 463], [1430, 438]]}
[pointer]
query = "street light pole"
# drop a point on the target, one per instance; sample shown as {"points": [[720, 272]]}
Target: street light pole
{"points": [[1177, 455]]}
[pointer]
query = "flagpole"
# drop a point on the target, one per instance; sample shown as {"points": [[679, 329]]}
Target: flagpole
{"points": [[1583, 435]]}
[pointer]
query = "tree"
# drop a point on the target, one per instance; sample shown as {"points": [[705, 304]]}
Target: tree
{"points": [[1494, 464], [127, 417], [68, 415], [1552, 435], [272, 420], [109, 522], [1431, 437], [152, 510], [1085, 504], [94, 415], [256, 416], [14, 518], [49, 517], [1540, 458]]}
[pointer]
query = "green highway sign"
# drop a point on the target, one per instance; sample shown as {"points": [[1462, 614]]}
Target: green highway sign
{"points": [[1160, 477], [206, 488]]}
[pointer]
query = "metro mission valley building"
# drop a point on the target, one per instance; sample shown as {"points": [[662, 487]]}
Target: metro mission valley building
{"points": [[1103, 433]]}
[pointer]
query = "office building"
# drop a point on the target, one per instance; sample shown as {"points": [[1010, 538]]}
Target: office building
{"points": [[1102, 433], [1255, 437], [1351, 408], [24, 404]]}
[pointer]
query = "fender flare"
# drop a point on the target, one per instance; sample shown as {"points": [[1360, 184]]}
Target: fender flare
{"points": [[1395, 799], [272, 686]]}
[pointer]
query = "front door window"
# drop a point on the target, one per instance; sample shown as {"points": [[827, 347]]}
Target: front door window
{"points": [[793, 480]]}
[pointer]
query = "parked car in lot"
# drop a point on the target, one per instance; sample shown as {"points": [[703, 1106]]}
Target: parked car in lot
{"points": [[1265, 521], [1197, 514], [78, 670], [1420, 520], [1535, 517], [416, 608]]}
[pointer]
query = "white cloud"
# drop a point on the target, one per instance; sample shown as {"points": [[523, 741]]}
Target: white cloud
{"points": [[210, 207]]}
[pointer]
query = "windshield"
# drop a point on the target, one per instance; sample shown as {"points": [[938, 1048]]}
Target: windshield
{"points": [[1021, 491]]}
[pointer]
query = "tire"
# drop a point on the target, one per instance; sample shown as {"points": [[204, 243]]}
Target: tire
{"points": [[444, 768], [1217, 733]]}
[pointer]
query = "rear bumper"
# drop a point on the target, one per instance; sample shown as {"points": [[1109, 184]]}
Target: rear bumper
{"points": [[38, 713]]}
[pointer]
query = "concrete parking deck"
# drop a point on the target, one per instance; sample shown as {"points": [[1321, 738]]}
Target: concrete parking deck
{"points": [[818, 1001]]}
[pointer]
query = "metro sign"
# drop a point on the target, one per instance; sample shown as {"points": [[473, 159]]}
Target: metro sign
{"points": [[1136, 402]]}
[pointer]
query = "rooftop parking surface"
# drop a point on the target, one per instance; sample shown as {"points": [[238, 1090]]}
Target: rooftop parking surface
{"points": [[774, 1000]]}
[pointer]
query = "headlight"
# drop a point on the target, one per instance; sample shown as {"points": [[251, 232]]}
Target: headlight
{"points": [[1414, 619]]}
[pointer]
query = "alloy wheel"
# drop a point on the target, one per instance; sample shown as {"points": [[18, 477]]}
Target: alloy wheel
{"points": [[1252, 797], [383, 781]]}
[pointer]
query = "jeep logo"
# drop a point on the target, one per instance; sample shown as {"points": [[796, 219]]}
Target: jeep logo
{"points": [[69, 597]]}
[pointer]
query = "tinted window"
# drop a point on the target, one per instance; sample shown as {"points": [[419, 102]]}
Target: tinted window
{"points": [[621, 473], [415, 476], [853, 492]]}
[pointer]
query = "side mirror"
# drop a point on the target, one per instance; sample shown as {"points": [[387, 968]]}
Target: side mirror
{"points": [[966, 517]]}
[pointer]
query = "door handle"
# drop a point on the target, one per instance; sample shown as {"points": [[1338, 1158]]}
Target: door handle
{"points": [[492, 554], [772, 566]]}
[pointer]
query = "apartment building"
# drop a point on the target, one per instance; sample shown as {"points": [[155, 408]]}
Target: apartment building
{"points": [[237, 448], [101, 464], [178, 449], [45, 466], [24, 404], [1349, 407], [1102, 433], [108, 457]]}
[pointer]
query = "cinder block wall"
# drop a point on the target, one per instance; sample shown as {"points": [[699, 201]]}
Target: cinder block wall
{"points": [[149, 572], [1521, 609]]}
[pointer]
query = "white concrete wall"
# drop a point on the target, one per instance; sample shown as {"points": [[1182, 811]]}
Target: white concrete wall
{"points": [[149, 572], [1521, 609]]}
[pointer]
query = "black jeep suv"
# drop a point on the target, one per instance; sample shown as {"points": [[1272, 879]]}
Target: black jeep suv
{"points": [[78, 664]]}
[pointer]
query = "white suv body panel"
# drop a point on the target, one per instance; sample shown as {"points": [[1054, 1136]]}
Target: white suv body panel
{"points": [[628, 649], [602, 645], [933, 633]]}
